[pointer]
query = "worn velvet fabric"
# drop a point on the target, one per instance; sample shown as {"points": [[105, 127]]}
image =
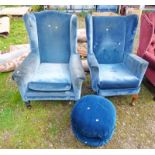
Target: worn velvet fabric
{"points": [[93, 120], [51, 77], [53, 70], [114, 70], [107, 8], [146, 47]]}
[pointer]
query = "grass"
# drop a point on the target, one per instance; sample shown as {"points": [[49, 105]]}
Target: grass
{"points": [[47, 124], [17, 34]]}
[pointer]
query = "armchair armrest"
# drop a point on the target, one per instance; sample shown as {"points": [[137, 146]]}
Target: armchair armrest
{"points": [[76, 67], [94, 70], [92, 61], [77, 73], [24, 72], [136, 65]]}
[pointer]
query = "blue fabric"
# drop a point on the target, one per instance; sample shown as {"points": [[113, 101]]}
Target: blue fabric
{"points": [[94, 70], [109, 39], [57, 41], [112, 76], [136, 65], [110, 43], [120, 91], [131, 27], [107, 8], [23, 74], [49, 95], [93, 120], [51, 72], [77, 74], [51, 77]]}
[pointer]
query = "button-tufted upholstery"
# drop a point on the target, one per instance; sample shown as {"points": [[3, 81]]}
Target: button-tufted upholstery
{"points": [[53, 37], [113, 69], [108, 39], [146, 47], [98, 122], [53, 70]]}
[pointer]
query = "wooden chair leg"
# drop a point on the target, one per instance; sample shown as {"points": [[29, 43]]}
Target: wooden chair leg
{"points": [[134, 98]]}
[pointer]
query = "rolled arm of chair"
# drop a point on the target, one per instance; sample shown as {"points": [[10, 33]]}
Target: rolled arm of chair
{"points": [[94, 70], [77, 73], [92, 61], [136, 65], [76, 68], [24, 72]]}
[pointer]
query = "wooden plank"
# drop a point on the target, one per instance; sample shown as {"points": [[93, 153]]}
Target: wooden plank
{"points": [[14, 11], [4, 26]]}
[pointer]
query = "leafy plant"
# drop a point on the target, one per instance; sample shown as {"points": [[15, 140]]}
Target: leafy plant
{"points": [[37, 8], [83, 14]]}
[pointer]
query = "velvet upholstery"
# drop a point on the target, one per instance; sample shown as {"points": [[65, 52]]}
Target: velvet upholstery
{"points": [[146, 47], [52, 70], [107, 8], [116, 76], [114, 70], [98, 122], [51, 77]]}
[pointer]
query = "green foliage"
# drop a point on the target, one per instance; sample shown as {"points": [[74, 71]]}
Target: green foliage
{"points": [[18, 34], [37, 8], [61, 9], [83, 13]]}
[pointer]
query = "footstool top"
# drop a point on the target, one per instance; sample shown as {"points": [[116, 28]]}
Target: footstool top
{"points": [[93, 120]]}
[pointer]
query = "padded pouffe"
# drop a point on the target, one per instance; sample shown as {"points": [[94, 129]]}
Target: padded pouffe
{"points": [[93, 120]]}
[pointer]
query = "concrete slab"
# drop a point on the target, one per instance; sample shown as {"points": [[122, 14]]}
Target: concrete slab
{"points": [[14, 11]]}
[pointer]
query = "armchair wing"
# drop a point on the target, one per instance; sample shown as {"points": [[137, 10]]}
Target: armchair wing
{"points": [[75, 66]]}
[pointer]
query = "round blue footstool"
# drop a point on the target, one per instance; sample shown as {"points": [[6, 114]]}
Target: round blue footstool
{"points": [[93, 120]]}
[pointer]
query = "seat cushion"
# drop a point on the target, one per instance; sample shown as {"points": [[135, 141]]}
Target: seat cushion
{"points": [[51, 77], [150, 58], [116, 76]]}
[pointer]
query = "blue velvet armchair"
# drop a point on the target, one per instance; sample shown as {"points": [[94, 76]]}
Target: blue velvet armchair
{"points": [[114, 70], [53, 70]]}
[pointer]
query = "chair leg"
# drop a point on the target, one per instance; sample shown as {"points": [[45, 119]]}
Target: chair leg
{"points": [[71, 102], [154, 98], [134, 99], [28, 105]]}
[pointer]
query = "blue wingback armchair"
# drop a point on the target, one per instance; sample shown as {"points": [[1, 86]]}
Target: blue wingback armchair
{"points": [[53, 70], [114, 70]]}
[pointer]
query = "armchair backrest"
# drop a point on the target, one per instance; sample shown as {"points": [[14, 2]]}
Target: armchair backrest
{"points": [[52, 35], [110, 37]]}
